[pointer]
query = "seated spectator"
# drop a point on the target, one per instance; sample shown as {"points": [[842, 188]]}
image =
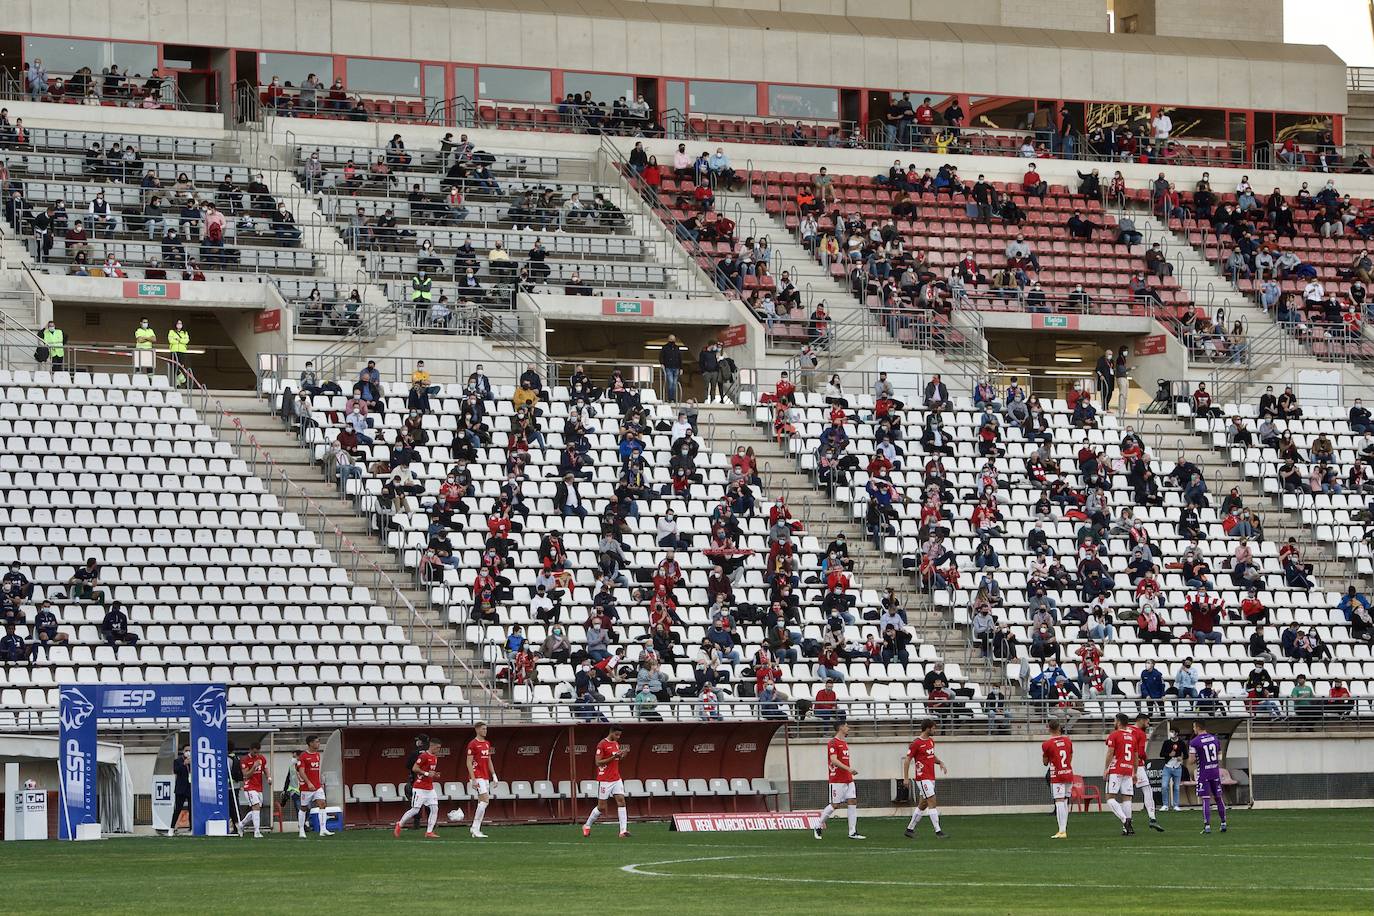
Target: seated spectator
{"points": [[1080, 228], [114, 627]]}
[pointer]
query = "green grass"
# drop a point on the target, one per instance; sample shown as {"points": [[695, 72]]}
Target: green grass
{"points": [[1295, 861]]}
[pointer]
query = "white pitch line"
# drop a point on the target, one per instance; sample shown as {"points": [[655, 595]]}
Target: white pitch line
{"points": [[642, 870]]}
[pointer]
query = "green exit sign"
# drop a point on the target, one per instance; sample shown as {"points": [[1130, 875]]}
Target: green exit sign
{"points": [[1056, 321], [153, 290], [629, 307]]}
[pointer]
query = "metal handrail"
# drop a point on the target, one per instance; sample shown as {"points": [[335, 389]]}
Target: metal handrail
{"points": [[290, 487]]}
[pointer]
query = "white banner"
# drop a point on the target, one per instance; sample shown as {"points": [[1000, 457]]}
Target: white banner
{"points": [[732, 823]]}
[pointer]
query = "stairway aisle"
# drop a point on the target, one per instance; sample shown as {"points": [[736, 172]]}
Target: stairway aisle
{"points": [[1164, 435], [731, 426], [289, 456]]}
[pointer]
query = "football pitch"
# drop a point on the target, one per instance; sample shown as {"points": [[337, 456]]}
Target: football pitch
{"points": [[1291, 861]]}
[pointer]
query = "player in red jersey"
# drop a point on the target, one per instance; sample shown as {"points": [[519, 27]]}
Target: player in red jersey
{"points": [[422, 791], [922, 753], [1140, 731], [481, 776], [609, 753], [254, 767], [312, 785], [1119, 772], [842, 791], [1056, 752]]}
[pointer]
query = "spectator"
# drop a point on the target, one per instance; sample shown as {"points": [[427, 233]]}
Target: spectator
{"points": [[670, 359], [114, 628], [1305, 705], [1152, 689]]}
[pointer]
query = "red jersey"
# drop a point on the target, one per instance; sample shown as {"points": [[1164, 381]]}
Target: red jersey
{"points": [[308, 764], [427, 764], [1057, 753], [1122, 744], [254, 766], [610, 770], [1138, 742], [838, 749], [922, 751], [479, 749]]}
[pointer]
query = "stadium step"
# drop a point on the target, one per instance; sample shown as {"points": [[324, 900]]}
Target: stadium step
{"points": [[825, 519], [350, 535]]}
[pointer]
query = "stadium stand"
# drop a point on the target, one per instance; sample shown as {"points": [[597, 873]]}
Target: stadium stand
{"points": [[603, 568], [216, 579]]}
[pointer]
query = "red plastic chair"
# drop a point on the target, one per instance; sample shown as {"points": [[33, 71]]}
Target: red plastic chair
{"points": [[1083, 794]]}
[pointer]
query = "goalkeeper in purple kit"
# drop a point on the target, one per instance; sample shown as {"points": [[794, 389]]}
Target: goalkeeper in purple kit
{"points": [[1205, 748]]}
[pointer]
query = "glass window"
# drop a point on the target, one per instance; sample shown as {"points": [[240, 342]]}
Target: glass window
{"points": [[434, 85], [63, 56], [294, 68], [803, 102], [602, 86], [1199, 123], [394, 77], [677, 96], [511, 84], [724, 98], [464, 82], [1302, 128]]}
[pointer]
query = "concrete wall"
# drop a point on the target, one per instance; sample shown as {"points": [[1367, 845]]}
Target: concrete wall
{"points": [[1242, 20], [1071, 15], [896, 44]]}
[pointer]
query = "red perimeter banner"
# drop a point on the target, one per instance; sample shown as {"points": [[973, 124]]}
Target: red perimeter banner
{"points": [[734, 823], [1152, 345], [736, 335], [529, 753]]}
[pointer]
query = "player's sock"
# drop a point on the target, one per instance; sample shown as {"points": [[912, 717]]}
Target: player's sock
{"points": [[1149, 798], [853, 818], [1206, 811], [433, 817], [1221, 809], [320, 816], [477, 817], [1115, 807], [825, 816], [591, 818], [405, 818], [624, 816], [934, 815], [300, 819], [1061, 814], [257, 822], [915, 819]]}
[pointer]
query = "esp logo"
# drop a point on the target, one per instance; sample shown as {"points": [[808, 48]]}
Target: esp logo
{"points": [[124, 698], [207, 771]]}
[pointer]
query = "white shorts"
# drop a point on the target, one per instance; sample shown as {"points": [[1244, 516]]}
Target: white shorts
{"points": [[925, 788], [422, 798], [1060, 790], [1142, 778], [605, 790], [1120, 785], [309, 797], [481, 787], [252, 798], [842, 793]]}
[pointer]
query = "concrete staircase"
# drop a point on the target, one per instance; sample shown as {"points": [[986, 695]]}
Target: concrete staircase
{"points": [[327, 510], [806, 271], [729, 426], [1168, 437], [1359, 119]]}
